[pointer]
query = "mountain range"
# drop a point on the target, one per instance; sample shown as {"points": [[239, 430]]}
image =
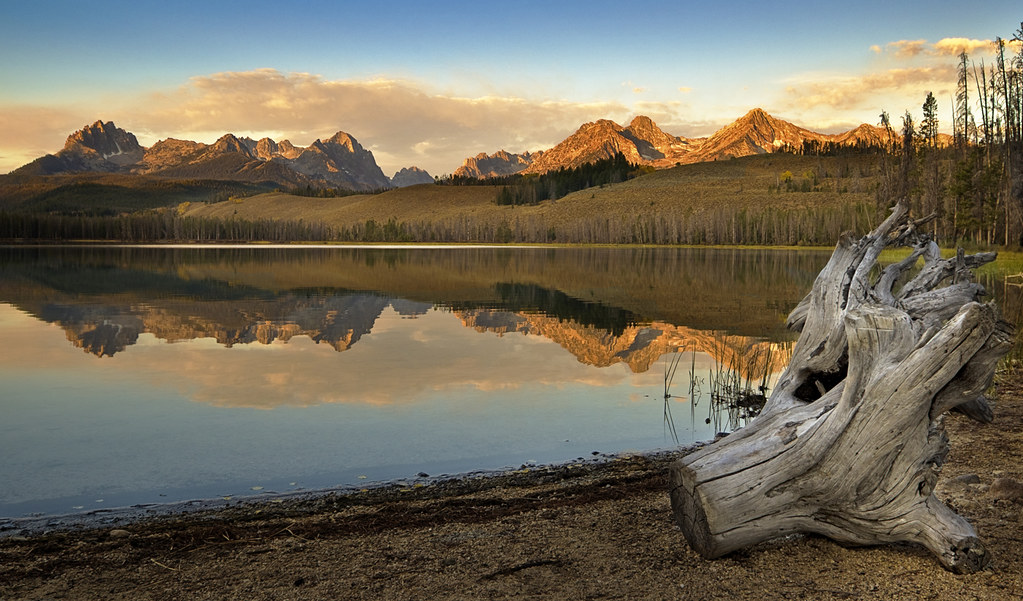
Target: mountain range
{"points": [[644, 143], [340, 161]]}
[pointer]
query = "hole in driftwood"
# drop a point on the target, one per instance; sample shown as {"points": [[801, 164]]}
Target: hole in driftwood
{"points": [[819, 383]]}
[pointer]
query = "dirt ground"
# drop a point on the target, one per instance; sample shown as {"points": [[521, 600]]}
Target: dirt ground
{"points": [[584, 532]]}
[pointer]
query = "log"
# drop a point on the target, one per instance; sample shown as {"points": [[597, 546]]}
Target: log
{"points": [[850, 442]]}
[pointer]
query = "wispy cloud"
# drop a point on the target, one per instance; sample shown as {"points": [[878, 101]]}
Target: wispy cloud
{"points": [[401, 122], [905, 71], [944, 47], [956, 46], [852, 92], [907, 48]]}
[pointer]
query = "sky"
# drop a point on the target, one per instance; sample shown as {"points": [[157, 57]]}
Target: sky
{"points": [[432, 83]]}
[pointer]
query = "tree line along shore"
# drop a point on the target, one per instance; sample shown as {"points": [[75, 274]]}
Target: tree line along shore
{"points": [[776, 199]]}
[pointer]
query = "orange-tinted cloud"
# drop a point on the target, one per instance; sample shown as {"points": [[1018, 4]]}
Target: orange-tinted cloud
{"points": [[956, 46], [398, 120], [945, 47], [907, 48], [401, 122], [853, 92]]}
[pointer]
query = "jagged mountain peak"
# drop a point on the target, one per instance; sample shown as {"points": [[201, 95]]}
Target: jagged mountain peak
{"points": [[645, 128], [757, 113], [643, 142], [266, 149], [600, 125], [411, 176], [103, 147], [499, 164], [644, 131], [866, 134], [759, 119], [344, 139], [230, 143], [104, 138], [643, 123], [756, 132]]}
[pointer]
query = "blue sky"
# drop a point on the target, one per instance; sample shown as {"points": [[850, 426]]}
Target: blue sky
{"points": [[430, 84]]}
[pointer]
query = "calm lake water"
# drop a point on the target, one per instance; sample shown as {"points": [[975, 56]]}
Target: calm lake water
{"points": [[138, 375]]}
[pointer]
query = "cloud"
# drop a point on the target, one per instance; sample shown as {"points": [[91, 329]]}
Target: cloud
{"points": [[945, 47], [400, 121], [907, 48], [830, 102], [853, 92], [956, 46]]}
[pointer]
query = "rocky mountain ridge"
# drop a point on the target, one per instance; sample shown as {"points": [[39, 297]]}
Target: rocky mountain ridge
{"points": [[643, 142], [756, 132], [499, 164], [338, 161]]}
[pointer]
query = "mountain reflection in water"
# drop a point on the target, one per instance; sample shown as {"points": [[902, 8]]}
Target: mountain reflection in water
{"points": [[104, 298], [208, 371]]}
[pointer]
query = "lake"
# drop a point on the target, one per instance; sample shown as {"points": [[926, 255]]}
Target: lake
{"points": [[155, 375]]}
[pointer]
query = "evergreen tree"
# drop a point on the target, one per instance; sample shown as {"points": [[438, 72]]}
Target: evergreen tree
{"points": [[929, 124]]}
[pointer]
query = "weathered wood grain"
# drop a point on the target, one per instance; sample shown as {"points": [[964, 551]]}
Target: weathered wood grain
{"points": [[850, 443]]}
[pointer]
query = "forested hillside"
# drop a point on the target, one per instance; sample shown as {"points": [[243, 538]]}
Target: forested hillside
{"points": [[770, 199]]}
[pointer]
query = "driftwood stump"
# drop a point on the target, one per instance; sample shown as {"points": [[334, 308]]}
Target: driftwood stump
{"points": [[851, 440]]}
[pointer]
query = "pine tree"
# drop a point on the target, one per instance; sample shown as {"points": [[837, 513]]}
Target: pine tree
{"points": [[929, 124]]}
